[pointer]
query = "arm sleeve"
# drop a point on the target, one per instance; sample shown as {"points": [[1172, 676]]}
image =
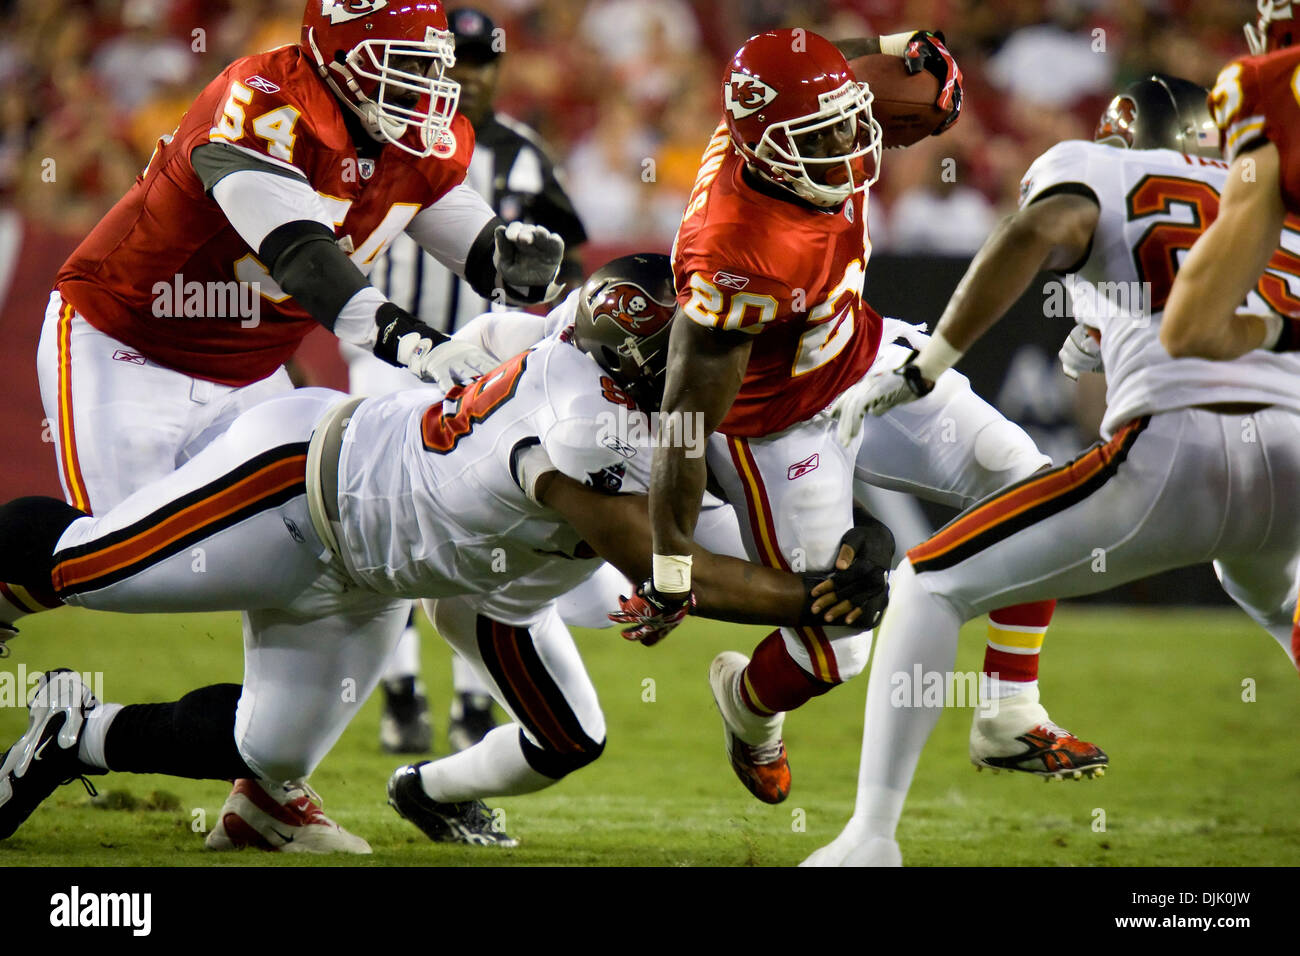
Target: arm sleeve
{"points": [[503, 334], [258, 202], [448, 229]]}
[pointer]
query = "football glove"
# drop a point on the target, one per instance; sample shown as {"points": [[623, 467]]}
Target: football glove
{"points": [[448, 364], [926, 51], [527, 260], [864, 584], [1080, 353], [877, 393], [651, 614]]}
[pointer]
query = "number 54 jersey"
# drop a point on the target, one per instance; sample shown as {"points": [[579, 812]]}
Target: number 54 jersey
{"points": [[747, 258], [429, 501], [1154, 205]]}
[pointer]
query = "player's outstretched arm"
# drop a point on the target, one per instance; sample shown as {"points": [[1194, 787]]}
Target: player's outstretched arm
{"points": [[725, 588], [1052, 233], [1226, 262], [282, 218], [705, 369]]}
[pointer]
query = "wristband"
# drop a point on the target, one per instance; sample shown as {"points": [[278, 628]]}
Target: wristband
{"points": [[896, 43], [671, 573], [936, 357]]}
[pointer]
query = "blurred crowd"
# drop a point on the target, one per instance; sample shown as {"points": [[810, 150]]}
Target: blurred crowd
{"points": [[626, 92]]}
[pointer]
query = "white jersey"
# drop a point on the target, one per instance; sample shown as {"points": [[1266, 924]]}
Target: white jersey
{"points": [[428, 500], [1154, 204]]}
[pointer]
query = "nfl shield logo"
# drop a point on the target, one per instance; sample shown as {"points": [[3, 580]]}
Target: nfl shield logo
{"points": [[366, 167], [848, 210]]}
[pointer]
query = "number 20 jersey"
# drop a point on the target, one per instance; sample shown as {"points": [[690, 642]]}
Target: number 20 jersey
{"points": [[785, 272], [429, 505], [1154, 205]]}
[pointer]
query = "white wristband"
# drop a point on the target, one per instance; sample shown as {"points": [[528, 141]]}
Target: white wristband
{"points": [[1273, 326], [896, 43], [671, 573], [936, 357]]}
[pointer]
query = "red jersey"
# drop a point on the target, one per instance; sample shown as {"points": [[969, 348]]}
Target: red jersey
{"points": [[1257, 99], [167, 234], [787, 272]]}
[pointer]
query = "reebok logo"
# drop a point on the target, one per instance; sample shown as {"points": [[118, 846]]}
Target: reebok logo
{"points": [[261, 83], [135, 358], [801, 468], [730, 280]]}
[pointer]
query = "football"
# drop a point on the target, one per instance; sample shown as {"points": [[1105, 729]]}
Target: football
{"points": [[904, 102]]}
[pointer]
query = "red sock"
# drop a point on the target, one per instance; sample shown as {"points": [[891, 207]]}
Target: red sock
{"points": [[1014, 638], [773, 681]]}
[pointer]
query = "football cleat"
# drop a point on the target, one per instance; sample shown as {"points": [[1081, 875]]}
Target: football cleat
{"points": [[1021, 737], [754, 744], [45, 757], [471, 719], [468, 822], [404, 726], [284, 818]]}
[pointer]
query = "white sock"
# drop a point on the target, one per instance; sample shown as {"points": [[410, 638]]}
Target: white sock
{"points": [[465, 679], [995, 688], [405, 659], [91, 749], [918, 629], [493, 767]]}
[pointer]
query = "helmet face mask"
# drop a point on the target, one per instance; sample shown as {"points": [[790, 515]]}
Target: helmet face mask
{"points": [[388, 65], [1160, 112], [784, 88], [623, 321], [1274, 30]]}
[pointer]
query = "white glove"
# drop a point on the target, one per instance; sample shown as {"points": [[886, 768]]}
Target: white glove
{"points": [[1080, 353], [877, 393], [454, 362], [528, 258]]}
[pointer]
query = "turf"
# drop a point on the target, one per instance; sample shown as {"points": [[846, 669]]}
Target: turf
{"points": [[1199, 775]]}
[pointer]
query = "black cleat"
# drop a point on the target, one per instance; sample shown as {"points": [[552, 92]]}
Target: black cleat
{"points": [[45, 757], [404, 727], [468, 822], [471, 719]]}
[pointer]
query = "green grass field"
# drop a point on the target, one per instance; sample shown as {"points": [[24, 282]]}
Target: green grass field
{"points": [[1198, 776]]}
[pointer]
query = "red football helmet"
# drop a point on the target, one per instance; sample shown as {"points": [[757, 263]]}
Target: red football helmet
{"points": [[783, 85], [387, 63], [1275, 29]]}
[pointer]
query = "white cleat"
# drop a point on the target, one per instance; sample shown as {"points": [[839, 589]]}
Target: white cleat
{"points": [[753, 743], [283, 818], [1020, 736]]}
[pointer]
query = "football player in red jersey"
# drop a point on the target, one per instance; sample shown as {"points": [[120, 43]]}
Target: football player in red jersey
{"points": [[257, 220], [769, 262], [1256, 104]]}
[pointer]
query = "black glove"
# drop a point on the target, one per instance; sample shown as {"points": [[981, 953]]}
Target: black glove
{"points": [[865, 582], [926, 51]]}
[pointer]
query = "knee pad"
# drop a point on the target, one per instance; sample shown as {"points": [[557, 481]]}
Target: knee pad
{"points": [[30, 529], [1003, 447], [556, 765]]}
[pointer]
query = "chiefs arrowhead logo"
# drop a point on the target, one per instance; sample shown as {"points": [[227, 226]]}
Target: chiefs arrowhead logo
{"points": [[745, 95], [341, 11]]}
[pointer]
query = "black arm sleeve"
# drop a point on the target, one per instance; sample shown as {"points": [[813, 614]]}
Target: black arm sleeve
{"points": [[307, 263], [480, 264]]}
